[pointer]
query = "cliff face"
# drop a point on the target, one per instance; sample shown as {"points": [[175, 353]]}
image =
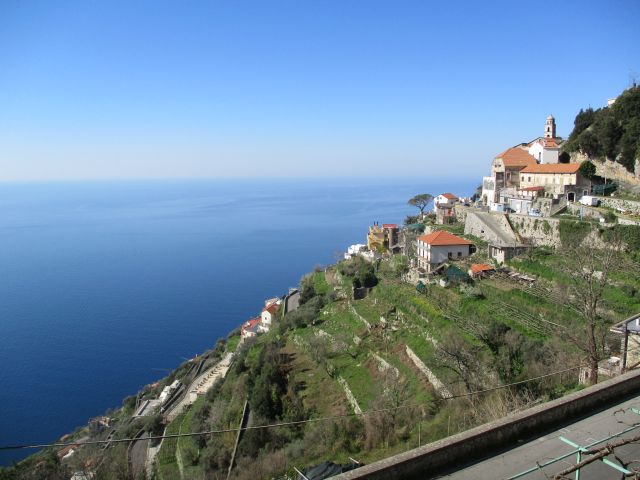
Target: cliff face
{"points": [[609, 169]]}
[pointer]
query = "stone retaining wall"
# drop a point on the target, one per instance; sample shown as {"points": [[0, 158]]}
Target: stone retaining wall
{"points": [[433, 380], [619, 203]]}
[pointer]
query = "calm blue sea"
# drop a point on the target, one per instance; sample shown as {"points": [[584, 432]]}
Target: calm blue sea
{"points": [[105, 287]]}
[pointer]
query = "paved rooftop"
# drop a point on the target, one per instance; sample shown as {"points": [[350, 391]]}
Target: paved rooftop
{"points": [[585, 432]]}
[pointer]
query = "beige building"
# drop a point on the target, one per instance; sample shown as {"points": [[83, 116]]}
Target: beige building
{"points": [[506, 167], [557, 179], [383, 238]]}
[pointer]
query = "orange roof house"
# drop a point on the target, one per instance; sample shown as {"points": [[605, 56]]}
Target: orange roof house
{"points": [[250, 328], [439, 247], [558, 179], [441, 237], [479, 269], [516, 158], [552, 168], [273, 308]]}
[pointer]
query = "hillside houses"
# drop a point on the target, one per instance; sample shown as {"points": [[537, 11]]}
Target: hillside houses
{"points": [[522, 176], [440, 246], [255, 326], [556, 179], [444, 199], [250, 328], [383, 237], [546, 149], [505, 173]]}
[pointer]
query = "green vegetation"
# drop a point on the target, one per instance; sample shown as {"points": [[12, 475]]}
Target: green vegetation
{"points": [[361, 272], [587, 169], [611, 132], [166, 463], [573, 232], [478, 334]]}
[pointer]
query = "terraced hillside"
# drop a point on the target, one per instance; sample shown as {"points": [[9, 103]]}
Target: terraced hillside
{"points": [[346, 380]]}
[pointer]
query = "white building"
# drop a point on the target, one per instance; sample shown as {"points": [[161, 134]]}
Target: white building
{"points": [[268, 316], [440, 246], [444, 199], [353, 250], [488, 190], [250, 328], [545, 150], [168, 391]]}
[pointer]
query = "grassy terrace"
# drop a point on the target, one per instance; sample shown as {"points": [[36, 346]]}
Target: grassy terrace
{"points": [[166, 462], [495, 322]]}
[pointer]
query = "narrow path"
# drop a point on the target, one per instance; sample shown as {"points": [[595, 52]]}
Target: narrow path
{"points": [[200, 385]]}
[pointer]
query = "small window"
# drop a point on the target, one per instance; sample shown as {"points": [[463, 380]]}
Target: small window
{"points": [[450, 255], [459, 254]]}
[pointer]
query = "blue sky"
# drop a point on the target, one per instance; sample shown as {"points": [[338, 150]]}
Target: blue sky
{"points": [[133, 89]]}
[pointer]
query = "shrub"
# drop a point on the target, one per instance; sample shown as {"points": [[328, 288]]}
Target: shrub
{"points": [[573, 232], [587, 169]]}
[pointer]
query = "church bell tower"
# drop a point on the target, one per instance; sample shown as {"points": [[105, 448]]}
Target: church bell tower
{"points": [[550, 127]]}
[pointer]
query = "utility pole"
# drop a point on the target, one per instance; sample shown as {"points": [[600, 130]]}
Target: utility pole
{"points": [[625, 347]]}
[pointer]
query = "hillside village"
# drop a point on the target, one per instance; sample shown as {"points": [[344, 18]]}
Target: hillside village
{"points": [[470, 295]]}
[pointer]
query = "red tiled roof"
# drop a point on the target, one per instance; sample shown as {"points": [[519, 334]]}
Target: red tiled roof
{"points": [[389, 225], [552, 168], [450, 196], [481, 267], [532, 189], [273, 308], [441, 237], [251, 323], [63, 452], [516, 157], [545, 142]]}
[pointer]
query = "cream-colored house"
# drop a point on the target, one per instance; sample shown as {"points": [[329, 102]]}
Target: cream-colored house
{"points": [[440, 246], [557, 179], [268, 315], [506, 167]]}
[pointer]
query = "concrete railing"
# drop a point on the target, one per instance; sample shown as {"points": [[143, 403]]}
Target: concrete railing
{"points": [[427, 461]]}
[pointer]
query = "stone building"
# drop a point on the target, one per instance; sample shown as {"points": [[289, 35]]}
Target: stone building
{"points": [[505, 170], [558, 180]]}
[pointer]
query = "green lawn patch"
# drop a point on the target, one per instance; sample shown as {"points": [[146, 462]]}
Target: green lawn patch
{"points": [[320, 284]]}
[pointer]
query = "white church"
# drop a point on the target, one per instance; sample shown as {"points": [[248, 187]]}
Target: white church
{"points": [[546, 149]]}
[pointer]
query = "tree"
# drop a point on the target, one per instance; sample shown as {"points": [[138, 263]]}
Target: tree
{"points": [[391, 412], [587, 169], [462, 358], [588, 271], [421, 201]]}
